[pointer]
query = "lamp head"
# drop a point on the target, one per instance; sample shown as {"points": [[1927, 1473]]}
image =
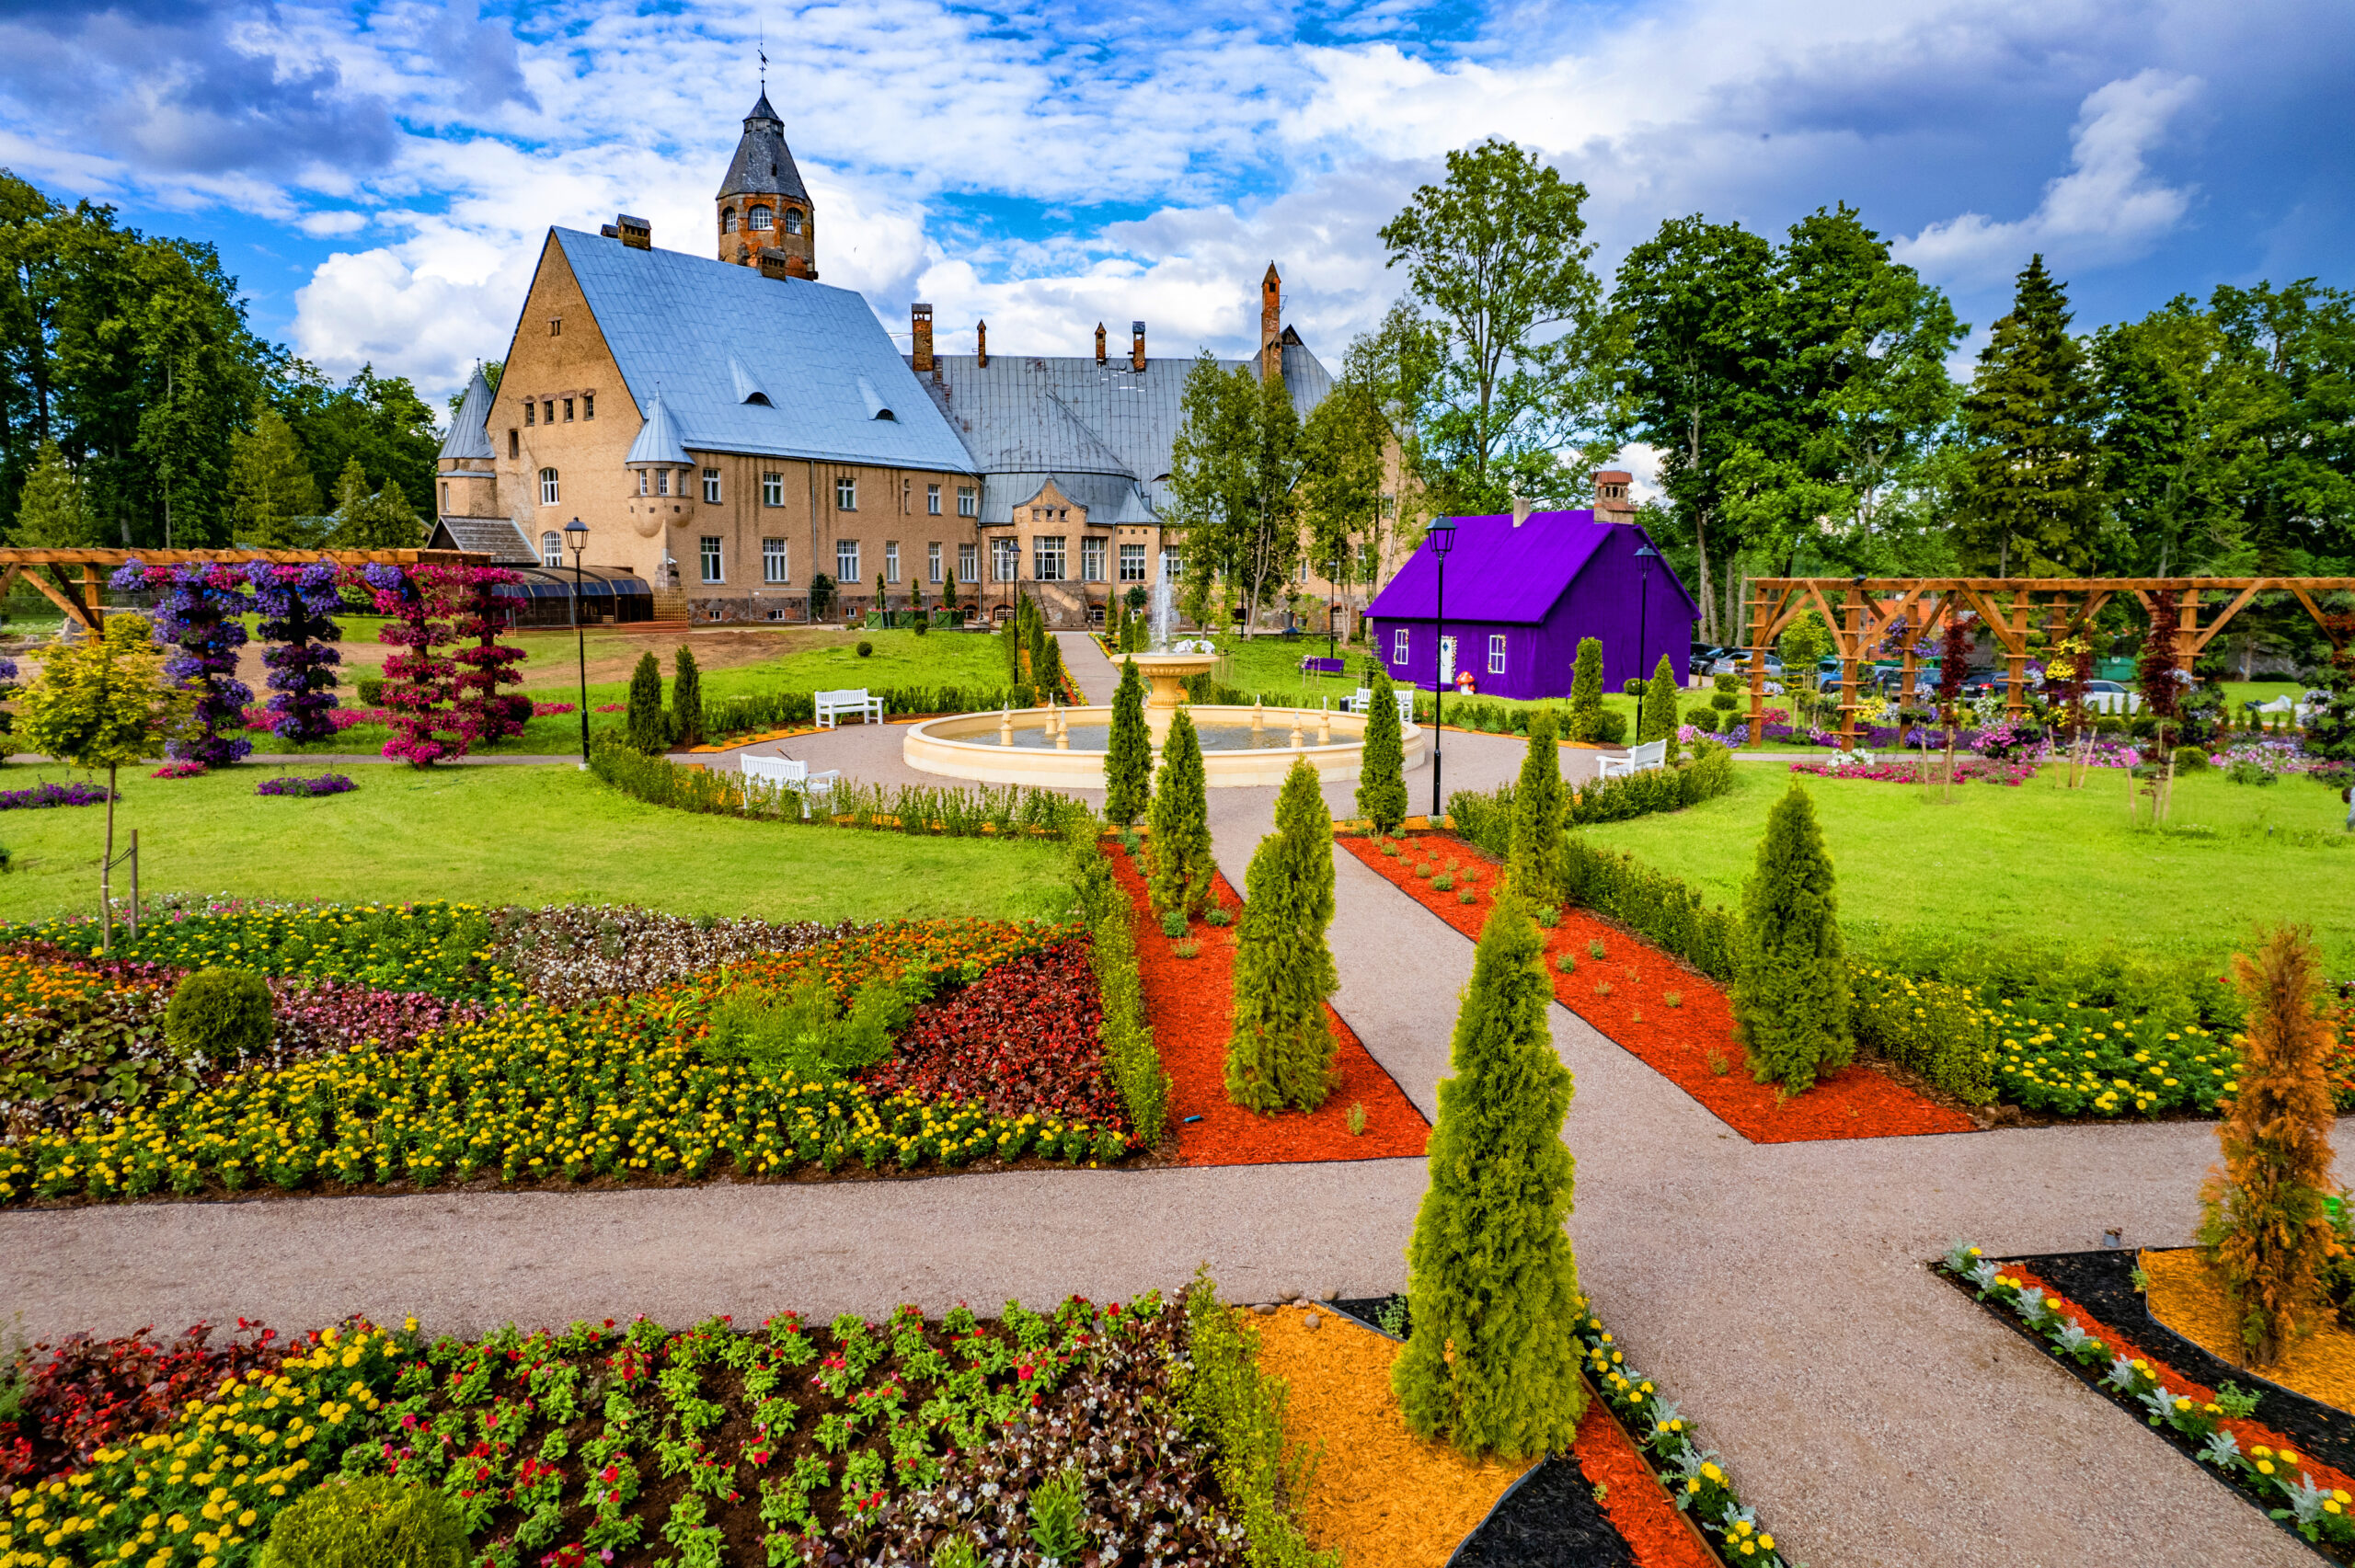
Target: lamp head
{"points": [[576, 536], [1442, 538], [1646, 552]]}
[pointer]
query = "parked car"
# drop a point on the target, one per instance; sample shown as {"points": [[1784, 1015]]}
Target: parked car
{"points": [[1735, 661]]}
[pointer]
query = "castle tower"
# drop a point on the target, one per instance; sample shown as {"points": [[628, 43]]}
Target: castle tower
{"points": [[1271, 325], [762, 203]]}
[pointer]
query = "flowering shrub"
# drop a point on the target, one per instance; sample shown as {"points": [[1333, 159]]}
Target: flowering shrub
{"points": [[2307, 1495], [288, 784], [417, 679], [338, 720], [295, 603], [481, 713], [47, 794], [201, 608], [84, 1394], [180, 769]]}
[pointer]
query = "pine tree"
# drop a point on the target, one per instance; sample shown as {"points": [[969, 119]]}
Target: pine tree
{"points": [[1586, 692], [686, 699], [643, 724], [1790, 993], [1657, 713], [1282, 1050], [1382, 767], [2032, 503], [1492, 1362], [2267, 1228], [1181, 821], [1128, 757], [52, 510], [1533, 864], [270, 486]]}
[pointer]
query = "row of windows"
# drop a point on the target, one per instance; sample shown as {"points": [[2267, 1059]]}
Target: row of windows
{"points": [[1048, 563], [760, 220], [657, 482], [542, 410], [1401, 643]]}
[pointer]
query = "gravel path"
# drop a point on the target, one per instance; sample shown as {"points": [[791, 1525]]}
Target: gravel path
{"points": [[1873, 1415]]}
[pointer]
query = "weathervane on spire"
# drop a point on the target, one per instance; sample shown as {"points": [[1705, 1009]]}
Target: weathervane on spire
{"points": [[761, 47]]}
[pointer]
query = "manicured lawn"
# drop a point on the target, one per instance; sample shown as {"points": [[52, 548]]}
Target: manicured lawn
{"points": [[514, 834], [1271, 666], [2042, 863]]}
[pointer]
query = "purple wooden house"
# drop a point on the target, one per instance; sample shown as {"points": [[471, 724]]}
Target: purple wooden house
{"points": [[1520, 595]]}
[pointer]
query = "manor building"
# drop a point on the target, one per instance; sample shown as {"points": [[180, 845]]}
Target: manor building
{"points": [[729, 430]]}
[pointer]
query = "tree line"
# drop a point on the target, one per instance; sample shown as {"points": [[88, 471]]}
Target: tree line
{"points": [[1797, 392], [138, 408]]}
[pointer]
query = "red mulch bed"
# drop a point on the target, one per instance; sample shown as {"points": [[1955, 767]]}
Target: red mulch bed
{"points": [[1633, 1500], [1684, 1043], [1190, 1002]]}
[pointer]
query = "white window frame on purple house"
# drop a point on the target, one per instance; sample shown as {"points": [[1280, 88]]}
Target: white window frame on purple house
{"points": [[1399, 645], [1496, 652]]}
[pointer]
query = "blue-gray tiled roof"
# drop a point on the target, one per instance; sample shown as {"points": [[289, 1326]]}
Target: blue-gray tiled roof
{"points": [[684, 326], [470, 437]]}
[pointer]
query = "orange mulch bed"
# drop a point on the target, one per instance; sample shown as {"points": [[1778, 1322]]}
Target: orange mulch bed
{"points": [[1690, 1041], [1632, 1498], [1190, 1002], [2187, 1294]]}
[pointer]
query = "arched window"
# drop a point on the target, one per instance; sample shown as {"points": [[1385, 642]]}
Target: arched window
{"points": [[547, 486], [551, 548], [727, 220], [792, 220], [759, 219]]}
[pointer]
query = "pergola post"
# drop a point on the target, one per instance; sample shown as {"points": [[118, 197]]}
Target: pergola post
{"points": [[1852, 639], [1761, 620]]}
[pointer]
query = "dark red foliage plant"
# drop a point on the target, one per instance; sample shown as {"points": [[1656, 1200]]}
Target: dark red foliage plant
{"points": [[83, 1394]]}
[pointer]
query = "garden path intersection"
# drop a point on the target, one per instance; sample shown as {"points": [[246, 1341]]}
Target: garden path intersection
{"points": [[1871, 1412]]}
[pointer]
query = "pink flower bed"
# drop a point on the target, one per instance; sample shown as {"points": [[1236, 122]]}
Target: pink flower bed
{"points": [[1910, 771]]}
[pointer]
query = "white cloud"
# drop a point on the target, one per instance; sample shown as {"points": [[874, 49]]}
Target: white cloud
{"points": [[2107, 208]]}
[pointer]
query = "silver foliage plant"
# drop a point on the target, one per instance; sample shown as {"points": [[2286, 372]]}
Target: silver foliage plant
{"points": [[568, 953]]}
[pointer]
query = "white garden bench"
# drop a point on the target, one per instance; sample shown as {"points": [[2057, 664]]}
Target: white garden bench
{"points": [[833, 705], [793, 773], [1360, 700], [1643, 758]]}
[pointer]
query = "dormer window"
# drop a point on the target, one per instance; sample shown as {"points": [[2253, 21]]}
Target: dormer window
{"points": [[792, 220], [760, 220], [727, 220]]}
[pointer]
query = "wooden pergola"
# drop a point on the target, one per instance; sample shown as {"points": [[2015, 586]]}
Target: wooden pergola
{"points": [[98, 565], [1860, 612]]}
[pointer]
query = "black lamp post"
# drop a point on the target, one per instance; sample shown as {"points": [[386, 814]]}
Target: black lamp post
{"points": [[1442, 539], [1644, 557], [576, 538]]}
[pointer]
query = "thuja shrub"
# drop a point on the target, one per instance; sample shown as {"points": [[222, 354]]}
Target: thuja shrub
{"points": [[687, 698], [1665, 910], [1180, 850], [1586, 692], [1128, 758], [1280, 1052], [2266, 1228], [1656, 713], [222, 1015], [1485, 817], [1534, 861], [1382, 776], [1790, 990], [1491, 1362], [368, 1521], [644, 726], [1240, 1411]]}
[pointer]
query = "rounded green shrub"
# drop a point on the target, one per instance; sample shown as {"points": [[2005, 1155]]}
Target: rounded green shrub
{"points": [[2189, 759], [222, 1015], [866, 648], [374, 1522]]}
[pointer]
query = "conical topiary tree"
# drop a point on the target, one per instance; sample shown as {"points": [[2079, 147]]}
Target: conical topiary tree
{"points": [[1280, 1052], [1050, 668], [1492, 1362], [687, 698], [1657, 715], [2267, 1228], [1790, 990], [1382, 768], [1181, 821], [1128, 758], [1533, 864], [643, 726], [1586, 692]]}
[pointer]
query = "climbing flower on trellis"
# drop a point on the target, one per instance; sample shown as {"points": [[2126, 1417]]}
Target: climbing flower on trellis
{"points": [[416, 680], [295, 603], [199, 609]]}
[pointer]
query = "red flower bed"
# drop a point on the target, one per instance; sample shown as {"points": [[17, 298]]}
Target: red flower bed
{"points": [[1190, 1002], [87, 1393], [1690, 1041], [1022, 1037], [1633, 1499]]}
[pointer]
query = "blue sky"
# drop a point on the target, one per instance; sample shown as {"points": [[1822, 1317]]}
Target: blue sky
{"points": [[380, 176]]}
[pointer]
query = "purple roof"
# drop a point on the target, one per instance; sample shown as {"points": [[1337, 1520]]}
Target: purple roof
{"points": [[1498, 572]]}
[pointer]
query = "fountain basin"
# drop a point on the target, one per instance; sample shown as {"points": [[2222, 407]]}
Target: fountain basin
{"points": [[1021, 747]]}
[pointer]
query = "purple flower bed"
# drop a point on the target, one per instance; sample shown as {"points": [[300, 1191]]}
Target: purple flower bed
{"points": [[325, 784], [52, 795], [1910, 769]]}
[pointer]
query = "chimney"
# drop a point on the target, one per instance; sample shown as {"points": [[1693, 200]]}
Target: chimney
{"points": [[981, 342], [1612, 500], [1099, 342], [637, 232], [1520, 511], [1136, 345], [920, 331], [775, 263], [1271, 328], [607, 231]]}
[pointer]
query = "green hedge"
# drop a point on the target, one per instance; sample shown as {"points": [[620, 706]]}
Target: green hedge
{"points": [[1129, 1052], [1666, 911], [1239, 1411], [1004, 811], [1486, 818]]}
